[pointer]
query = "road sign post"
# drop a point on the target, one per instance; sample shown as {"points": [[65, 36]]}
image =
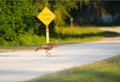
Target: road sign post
{"points": [[46, 16], [47, 34]]}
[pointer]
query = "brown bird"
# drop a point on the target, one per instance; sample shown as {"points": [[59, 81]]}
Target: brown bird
{"points": [[47, 47]]}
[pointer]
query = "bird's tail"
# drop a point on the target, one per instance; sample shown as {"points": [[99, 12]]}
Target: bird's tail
{"points": [[37, 48]]}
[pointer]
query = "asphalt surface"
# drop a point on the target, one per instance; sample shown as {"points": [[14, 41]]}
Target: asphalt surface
{"points": [[24, 65]]}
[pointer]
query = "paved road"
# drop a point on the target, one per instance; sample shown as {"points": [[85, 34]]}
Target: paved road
{"points": [[24, 65]]}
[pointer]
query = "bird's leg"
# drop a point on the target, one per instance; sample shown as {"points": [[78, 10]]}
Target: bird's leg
{"points": [[48, 54]]}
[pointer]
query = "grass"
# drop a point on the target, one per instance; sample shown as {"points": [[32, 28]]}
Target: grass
{"points": [[80, 34], [62, 34], [103, 71]]}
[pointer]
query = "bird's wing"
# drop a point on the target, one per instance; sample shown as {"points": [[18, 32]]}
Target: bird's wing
{"points": [[45, 46], [41, 47]]}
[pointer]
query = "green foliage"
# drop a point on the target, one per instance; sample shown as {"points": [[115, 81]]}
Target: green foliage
{"points": [[102, 71], [18, 19], [31, 39], [19, 23], [62, 12]]}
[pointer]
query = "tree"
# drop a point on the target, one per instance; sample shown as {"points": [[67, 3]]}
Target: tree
{"points": [[19, 18], [16, 20]]}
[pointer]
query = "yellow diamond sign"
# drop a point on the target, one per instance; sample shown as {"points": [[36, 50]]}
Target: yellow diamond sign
{"points": [[46, 16]]}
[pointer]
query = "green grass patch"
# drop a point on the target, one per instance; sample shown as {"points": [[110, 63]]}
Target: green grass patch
{"points": [[103, 71], [80, 34], [62, 34]]}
